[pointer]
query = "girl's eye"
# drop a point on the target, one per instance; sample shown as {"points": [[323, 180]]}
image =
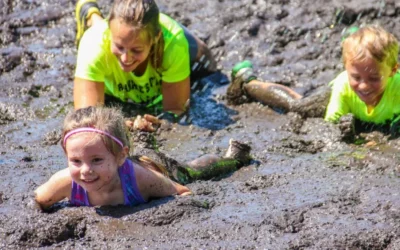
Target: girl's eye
{"points": [[97, 160], [75, 161]]}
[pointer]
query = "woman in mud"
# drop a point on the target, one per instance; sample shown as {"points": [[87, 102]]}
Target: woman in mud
{"points": [[136, 55], [369, 89], [96, 144]]}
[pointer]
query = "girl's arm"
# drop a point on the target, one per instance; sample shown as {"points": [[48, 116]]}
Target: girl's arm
{"points": [[87, 93], [175, 95], [154, 184], [55, 189]]}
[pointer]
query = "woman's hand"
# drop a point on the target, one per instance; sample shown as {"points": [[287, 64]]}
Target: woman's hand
{"points": [[143, 123]]}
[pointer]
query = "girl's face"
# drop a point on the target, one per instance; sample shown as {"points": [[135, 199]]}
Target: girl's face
{"points": [[91, 165], [130, 46], [368, 79]]}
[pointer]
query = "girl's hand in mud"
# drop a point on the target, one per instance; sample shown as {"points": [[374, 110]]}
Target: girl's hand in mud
{"points": [[146, 123], [33, 204]]}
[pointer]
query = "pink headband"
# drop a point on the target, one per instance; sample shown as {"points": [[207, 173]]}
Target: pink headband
{"points": [[85, 129]]}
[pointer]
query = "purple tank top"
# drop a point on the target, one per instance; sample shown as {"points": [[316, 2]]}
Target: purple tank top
{"points": [[132, 196]]}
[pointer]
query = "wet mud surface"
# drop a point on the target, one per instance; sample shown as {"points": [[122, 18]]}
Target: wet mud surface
{"points": [[305, 189]]}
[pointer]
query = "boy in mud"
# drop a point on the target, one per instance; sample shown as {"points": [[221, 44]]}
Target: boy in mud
{"points": [[369, 88]]}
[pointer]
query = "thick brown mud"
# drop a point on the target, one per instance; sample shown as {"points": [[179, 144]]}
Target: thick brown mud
{"points": [[306, 188]]}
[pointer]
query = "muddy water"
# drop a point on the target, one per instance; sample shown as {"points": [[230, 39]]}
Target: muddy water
{"points": [[305, 190]]}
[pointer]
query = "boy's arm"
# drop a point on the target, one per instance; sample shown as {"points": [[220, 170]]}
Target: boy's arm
{"points": [[337, 106], [154, 184], [55, 189]]}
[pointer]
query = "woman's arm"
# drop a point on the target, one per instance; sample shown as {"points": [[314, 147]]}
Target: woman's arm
{"points": [[154, 184], [55, 189], [175, 95], [87, 93]]}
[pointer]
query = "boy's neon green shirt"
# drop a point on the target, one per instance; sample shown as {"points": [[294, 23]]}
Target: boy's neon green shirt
{"points": [[344, 100], [97, 63]]}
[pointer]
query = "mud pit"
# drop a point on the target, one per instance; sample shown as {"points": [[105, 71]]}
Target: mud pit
{"points": [[305, 190]]}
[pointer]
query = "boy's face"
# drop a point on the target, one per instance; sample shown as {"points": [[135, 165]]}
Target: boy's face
{"points": [[368, 79]]}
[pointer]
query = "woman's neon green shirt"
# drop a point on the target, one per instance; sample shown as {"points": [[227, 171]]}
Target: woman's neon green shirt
{"points": [[97, 63], [344, 100]]}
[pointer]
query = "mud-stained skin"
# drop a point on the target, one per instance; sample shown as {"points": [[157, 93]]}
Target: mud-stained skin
{"points": [[305, 187], [314, 104]]}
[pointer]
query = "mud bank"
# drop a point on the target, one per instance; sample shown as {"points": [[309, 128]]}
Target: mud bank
{"points": [[306, 188]]}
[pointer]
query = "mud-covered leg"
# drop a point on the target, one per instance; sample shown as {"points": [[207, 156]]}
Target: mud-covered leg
{"points": [[245, 87], [144, 151], [271, 94], [87, 12], [211, 166]]}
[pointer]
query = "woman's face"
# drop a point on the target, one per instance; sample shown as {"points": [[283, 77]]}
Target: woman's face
{"points": [[130, 46]]}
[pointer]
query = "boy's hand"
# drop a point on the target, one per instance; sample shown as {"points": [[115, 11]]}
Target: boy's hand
{"points": [[346, 126]]}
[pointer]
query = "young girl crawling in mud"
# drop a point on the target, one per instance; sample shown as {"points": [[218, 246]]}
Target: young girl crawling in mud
{"points": [[95, 141], [369, 88]]}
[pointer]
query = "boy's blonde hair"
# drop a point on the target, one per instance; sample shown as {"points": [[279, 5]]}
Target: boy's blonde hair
{"points": [[371, 42], [110, 120]]}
